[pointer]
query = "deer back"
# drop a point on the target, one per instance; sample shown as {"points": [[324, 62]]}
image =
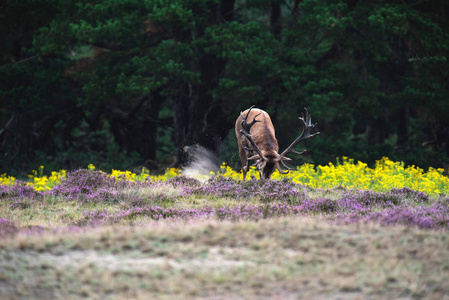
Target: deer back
{"points": [[263, 133]]}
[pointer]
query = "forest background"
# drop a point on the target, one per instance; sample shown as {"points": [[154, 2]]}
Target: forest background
{"points": [[129, 83]]}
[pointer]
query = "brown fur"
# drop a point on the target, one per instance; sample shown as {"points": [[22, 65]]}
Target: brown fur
{"points": [[263, 134], [257, 141]]}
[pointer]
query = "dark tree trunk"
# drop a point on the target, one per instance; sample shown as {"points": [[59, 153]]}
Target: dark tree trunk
{"points": [[136, 130], [440, 132], [275, 17], [184, 114], [227, 10], [376, 131], [402, 127], [196, 119], [144, 138], [295, 8], [394, 112]]}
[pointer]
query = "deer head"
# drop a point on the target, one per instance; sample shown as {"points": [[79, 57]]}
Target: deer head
{"points": [[257, 141]]}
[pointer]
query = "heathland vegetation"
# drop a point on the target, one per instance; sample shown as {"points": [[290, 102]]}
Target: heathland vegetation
{"points": [[335, 231]]}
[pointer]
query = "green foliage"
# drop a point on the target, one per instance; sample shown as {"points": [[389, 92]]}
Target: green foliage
{"points": [[89, 79], [252, 61]]}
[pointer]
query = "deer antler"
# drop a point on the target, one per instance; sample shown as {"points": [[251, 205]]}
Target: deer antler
{"points": [[306, 134], [245, 131]]}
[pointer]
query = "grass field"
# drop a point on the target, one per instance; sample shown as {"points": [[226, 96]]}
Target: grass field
{"points": [[96, 236]]}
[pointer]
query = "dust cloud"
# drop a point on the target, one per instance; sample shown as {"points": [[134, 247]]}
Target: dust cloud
{"points": [[201, 162]]}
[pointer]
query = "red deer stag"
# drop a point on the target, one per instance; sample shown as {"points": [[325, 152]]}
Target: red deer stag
{"points": [[257, 141]]}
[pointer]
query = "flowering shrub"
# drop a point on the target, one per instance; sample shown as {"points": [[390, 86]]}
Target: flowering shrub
{"points": [[343, 210], [87, 178], [169, 173], [262, 190], [183, 181], [86, 186], [20, 195], [428, 217], [103, 199], [385, 176], [42, 182], [7, 180], [347, 192]]}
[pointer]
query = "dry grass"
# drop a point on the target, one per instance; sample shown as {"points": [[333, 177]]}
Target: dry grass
{"points": [[301, 257], [285, 258]]}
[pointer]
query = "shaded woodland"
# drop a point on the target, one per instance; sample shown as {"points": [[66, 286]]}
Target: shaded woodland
{"points": [[129, 83]]}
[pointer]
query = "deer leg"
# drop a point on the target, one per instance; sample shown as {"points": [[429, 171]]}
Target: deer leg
{"points": [[244, 171], [245, 168], [244, 159]]}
